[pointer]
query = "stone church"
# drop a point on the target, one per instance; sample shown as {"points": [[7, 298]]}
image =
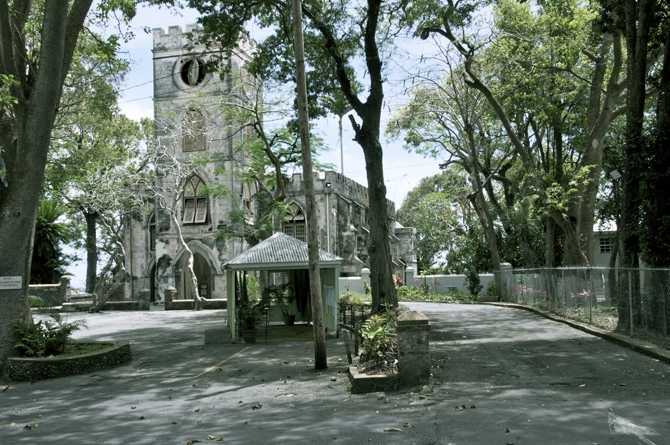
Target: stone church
{"points": [[154, 257]]}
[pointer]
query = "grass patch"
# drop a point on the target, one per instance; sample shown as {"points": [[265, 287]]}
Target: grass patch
{"points": [[73, 349]]}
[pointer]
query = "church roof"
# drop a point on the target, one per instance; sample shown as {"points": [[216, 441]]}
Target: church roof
{"points": [[279, 252]]}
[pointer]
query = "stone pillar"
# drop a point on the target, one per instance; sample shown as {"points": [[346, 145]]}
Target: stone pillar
{"points": [[64, 291], [504, 281], [409, 277], [412, 328], [170, 294], [145, 296]]}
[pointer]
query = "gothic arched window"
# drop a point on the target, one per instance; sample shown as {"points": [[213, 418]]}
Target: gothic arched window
{"points": [[294, 224], [195, 202], [193, 131]]}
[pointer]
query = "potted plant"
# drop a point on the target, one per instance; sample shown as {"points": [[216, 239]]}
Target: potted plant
{"points": [[282, 294], [248, 319]]}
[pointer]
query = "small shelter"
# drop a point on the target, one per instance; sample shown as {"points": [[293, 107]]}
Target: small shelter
{"points": [[283, 253]]}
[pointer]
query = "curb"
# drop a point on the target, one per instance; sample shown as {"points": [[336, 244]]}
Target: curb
{"points": [[632, 343], [41, 368]]}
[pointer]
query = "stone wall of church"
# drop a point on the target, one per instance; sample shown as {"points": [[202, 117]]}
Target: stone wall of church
{"points": [[342, 213]]}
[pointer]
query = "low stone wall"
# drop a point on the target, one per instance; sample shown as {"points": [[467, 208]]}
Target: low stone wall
{"points": [[215, 303], [125, 305], [31, 369], [51, 294], [437, 284]]}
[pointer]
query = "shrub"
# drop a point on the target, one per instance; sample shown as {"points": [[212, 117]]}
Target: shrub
{"points": [[491, 289], [472, 280], [411, 294], [35, 301], [380, 343], [46, 337], [349, 297], [367, 289]]}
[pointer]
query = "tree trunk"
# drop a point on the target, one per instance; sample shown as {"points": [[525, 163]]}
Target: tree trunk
{"points": [[637, 18], [381, 274], [37, 96], [91, 250], [480, 204], [367, 136], [320, 357], [549, 243], [599, 117]]}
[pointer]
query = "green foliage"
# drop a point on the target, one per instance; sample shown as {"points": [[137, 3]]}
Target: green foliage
{"points": [[472, 280], [252, 289], [380, 342], [49, 262], [248, 315], [367, 289], [46, 337], [413, 294], [491, 289], [281, 294], [354, 298], [433, 208], [6, 99], [35, 301]]}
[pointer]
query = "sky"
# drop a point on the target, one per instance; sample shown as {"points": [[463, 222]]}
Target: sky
{"points": [[402, 170]]}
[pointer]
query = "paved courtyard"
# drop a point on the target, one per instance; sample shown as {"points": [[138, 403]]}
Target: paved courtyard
{"points": [[500, 376]]}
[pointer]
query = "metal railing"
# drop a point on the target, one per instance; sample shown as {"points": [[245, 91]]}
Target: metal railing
{"points": [[351, 316], [632, 301]]}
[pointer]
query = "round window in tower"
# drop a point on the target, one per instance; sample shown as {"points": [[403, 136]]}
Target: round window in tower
{"points": [[192, 72]]}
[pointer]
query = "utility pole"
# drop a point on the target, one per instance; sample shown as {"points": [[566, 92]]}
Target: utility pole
{"points": [[320, 358]]}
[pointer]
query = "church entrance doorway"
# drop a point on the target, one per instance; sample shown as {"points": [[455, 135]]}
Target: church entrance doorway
{"points": [[203, 274]]}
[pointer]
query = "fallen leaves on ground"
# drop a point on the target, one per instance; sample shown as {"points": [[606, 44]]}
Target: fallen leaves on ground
{"points": [[392, 430], [217, 438], [257, 406]]}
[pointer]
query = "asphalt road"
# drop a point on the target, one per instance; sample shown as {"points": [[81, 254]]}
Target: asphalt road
{"points": [[500, 376]]}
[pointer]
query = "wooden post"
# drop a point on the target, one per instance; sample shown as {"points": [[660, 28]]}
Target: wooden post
{"points": [[320, 359]]}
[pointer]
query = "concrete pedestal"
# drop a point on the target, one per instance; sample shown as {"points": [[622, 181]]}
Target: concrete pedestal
{"points": [[412, 328]]}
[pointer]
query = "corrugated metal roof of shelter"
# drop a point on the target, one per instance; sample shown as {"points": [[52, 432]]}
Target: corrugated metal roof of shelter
{"points": [[280, 249]]}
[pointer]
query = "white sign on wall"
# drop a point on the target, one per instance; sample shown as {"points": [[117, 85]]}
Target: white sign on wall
{"points": [[7, 283]]}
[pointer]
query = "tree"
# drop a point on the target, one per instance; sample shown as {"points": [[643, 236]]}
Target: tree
{"points": [[90, 136], [271, 146], [513, 99], [437, 208], [49, 262], [37, 68], [336, 35], [447, 115], [166, 188]]}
